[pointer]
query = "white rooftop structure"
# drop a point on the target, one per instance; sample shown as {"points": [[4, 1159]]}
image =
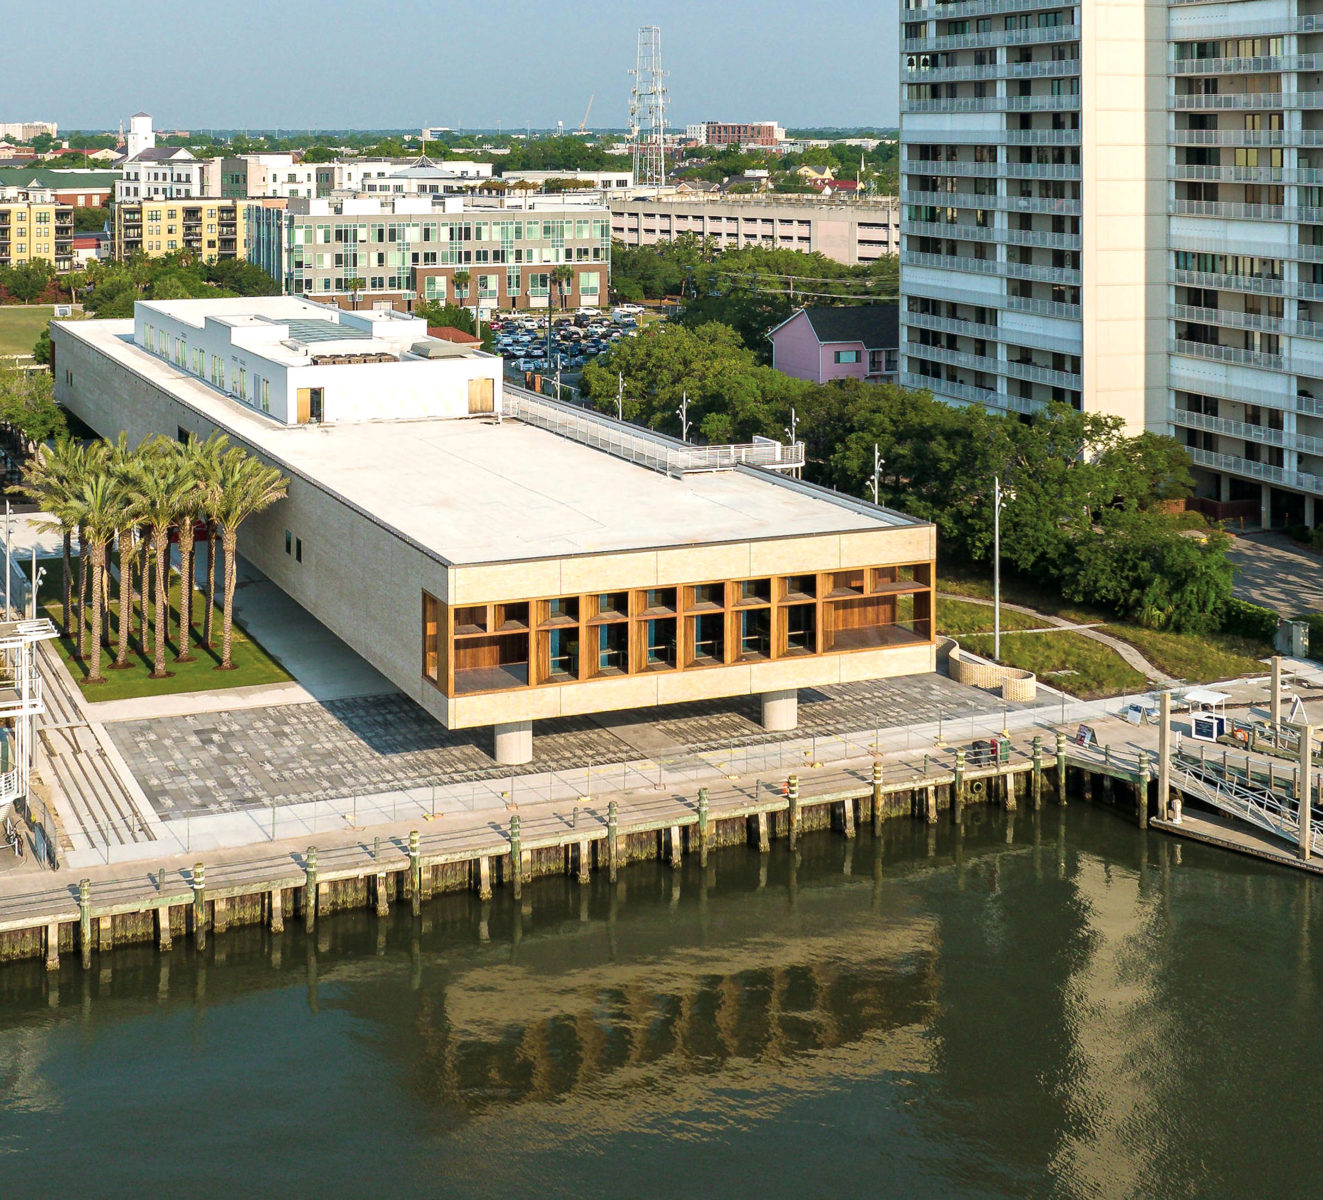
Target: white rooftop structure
{"points": [[297, 362]]}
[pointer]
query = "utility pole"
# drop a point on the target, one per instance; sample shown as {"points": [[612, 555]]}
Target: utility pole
{"points": [[620, 395], [683, 413], [999, 498], [878, 463]]}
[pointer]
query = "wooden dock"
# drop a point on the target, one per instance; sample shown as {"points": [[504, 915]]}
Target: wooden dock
{"points": [[168, 901]]}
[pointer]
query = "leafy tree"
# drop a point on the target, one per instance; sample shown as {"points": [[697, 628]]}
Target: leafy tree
{"points": [[27, 406], [91, 219], [319, 154], [435, 313], [30, 279]]}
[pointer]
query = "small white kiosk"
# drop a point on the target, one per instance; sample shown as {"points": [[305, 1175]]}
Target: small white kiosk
{"points": [[1208, 720]]}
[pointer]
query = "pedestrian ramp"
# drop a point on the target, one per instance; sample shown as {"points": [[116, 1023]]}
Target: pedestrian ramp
{"points": [[1266, 808]]}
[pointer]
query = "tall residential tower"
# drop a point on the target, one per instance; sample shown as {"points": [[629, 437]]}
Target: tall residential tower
{"points": [[1110, 205]]}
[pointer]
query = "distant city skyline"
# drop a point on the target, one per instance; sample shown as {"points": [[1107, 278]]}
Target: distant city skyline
{"points": [[334, 65]]}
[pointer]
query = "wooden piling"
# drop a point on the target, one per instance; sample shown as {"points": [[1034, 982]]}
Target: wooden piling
{"points": [[516, 858], [1061, 769], [877, 797], [310, 889], [930, 805], [958, 788], [164, 941], [1036, 787], [793, 814], [382, 894], [847, 817], [1141, 790], [1008, 787], [676, 845], [415, 873], [277, 906], [613, 833], [764, 844], [585, 860], [53, 946], [85, 921], [484, 878], [200, 906]]}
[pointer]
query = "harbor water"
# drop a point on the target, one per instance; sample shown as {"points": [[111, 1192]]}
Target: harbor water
{"points": [[1050, 1004]]}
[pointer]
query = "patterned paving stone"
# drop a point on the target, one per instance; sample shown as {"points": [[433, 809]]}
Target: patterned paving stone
{"points": [[222, 762]]}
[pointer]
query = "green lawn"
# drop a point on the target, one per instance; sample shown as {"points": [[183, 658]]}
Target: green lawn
{"points": [[252, 664], [955, 618], [1195, 658], [1094, 670], [20, 325]]}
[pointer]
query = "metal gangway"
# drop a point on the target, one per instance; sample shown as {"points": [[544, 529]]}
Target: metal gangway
{"points": [[1265, 807]]}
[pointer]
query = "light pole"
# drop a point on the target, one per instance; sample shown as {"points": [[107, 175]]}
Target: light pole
{"points": [[683, 413], [878, 463], [620, 395], [8, 566], [999, 498]]}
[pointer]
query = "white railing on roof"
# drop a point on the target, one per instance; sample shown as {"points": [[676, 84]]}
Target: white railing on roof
{"points": [[642, 446]]}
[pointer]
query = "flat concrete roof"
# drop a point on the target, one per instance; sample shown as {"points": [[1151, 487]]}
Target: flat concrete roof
{"points": [[471, 491]]}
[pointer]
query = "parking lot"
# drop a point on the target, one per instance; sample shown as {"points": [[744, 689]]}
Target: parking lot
{"points": [[575, 338]]}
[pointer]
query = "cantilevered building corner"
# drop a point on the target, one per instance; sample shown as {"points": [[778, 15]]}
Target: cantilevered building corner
{"points": [[500, 557]]}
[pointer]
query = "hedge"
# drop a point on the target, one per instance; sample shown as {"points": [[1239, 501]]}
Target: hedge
{"points": [[1249, 620]]}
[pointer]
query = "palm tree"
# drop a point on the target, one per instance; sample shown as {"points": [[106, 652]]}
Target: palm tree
{"points": [[562, 276], [354, 286], [101, 513], [207, 465], [197, 464], [52, 479], [123, 465], [247, 486], [461, 282], [162, 484]]}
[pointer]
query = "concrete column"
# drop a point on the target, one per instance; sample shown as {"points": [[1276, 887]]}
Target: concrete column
{"points": [[1265, 505], [1276, 702], [1306, 788], [514, 742], [781, 709], [1164, 756], [1310, 516]]}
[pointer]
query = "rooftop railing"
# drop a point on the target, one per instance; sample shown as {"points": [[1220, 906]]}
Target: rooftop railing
{"points": [[644, 447]]}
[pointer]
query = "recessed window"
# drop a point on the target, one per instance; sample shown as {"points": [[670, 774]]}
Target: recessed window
{"points": [[298, 549], [289, 542], [847, 356]]}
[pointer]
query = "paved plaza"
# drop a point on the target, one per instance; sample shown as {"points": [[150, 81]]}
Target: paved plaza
{"points": [[289, 754]]}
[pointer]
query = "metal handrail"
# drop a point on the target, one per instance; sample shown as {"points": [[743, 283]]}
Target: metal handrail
{"points": [[645, 447]]}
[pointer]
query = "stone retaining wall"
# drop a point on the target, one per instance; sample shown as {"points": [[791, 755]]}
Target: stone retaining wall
{"points": [[1013, 683]]}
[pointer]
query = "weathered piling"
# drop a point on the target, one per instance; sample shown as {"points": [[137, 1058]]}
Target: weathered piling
{"points": [[200, 906], [1037, 785], [613, 834], [877, 796], [793, 816], [1061, 769], [516, 858], [310, 887]]}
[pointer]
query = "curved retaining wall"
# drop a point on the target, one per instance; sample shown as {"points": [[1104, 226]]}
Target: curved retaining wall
{"points": [[1014, 683]]}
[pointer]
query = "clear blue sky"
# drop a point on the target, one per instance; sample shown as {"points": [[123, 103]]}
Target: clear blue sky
{"points": [[366, 64]]}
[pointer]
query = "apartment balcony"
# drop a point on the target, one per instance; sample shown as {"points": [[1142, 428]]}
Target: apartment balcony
{"points": [[1235, 137], [1256, 470], [1229, 210], [1227, 354], [1265, 65], [1228, 318], [1043, 308], [1001, 37], [1259, 285], [990, 266], [926, 166], [1041, 170], [920, 320], [1224, 244], [1301, 442], [980, 233], [968, 394], [1029, 371], [1046, 69], [1020, 204], [975, 8], [1219, 174], [1243, 100]]}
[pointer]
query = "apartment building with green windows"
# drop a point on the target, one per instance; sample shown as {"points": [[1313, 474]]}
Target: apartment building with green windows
{"points": [[407, 248]]}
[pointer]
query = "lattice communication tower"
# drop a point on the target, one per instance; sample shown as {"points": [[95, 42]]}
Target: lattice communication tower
{"points": [[647, 111]]}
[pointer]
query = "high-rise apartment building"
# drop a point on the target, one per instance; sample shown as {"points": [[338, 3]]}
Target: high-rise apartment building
{"points": [[209, 227], [1114, 206], [35, 225]]}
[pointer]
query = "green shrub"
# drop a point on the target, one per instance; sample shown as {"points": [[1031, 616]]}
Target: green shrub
{"points": [[1249, 620]]}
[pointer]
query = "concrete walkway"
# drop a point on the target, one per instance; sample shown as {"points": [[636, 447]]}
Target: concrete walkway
{"points": [[1132, 656], [1273, 571]]}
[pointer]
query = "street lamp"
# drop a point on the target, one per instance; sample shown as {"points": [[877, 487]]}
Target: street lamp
{"points": [[683, 413], [620, 395], [999, 497], [878, 463]]}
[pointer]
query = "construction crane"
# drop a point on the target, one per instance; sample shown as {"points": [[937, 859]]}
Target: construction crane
{"points": [[583, 125]]}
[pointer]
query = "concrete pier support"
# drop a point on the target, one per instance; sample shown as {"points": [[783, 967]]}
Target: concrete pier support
{"points": [[514, 742], [1009, 790], [781, 709]]}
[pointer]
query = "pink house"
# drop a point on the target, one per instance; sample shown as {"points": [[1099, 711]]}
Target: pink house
{"points": [[822, 343]]}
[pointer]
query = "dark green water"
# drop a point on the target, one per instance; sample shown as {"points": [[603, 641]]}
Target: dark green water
{"points": [[1067, 1007]]}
